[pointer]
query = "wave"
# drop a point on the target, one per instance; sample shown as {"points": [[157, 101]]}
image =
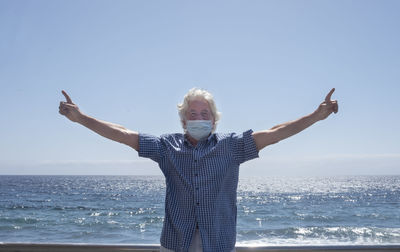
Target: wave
{"points": [[320, 236]]}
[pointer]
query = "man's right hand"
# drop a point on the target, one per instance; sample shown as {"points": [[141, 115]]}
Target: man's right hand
{"points": [[69, 109]]}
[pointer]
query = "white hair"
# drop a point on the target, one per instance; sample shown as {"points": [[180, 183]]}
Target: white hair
{"points": [[198, 94]]}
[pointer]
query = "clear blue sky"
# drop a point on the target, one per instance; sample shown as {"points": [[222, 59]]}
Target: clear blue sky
{"points": [[266, 62]]}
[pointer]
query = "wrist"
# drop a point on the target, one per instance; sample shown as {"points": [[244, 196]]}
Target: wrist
{"points": [[315, 116], [81, 118]]}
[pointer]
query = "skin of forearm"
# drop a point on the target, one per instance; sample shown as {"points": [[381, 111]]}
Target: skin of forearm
{"points": [[291, 128], [106, 129], [283, 131], [280, 125]]}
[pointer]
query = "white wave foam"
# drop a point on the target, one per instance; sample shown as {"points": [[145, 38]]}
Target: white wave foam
{"points": [[309, 242]]}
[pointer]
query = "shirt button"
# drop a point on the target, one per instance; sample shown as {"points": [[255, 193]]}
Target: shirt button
{"points": [[196, 174], [195, 160], [197, 188], [198, 203]]}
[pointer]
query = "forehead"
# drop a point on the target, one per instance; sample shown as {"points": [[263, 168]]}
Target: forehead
{"points": [[199, 105]]}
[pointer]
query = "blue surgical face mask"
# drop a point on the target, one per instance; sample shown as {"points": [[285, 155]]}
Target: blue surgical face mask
{"points": [[199, 129]]}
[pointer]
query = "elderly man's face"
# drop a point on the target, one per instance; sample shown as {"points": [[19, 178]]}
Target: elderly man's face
{"points": [[199, 110]]}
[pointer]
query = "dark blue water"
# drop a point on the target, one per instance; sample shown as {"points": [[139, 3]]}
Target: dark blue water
{"points": [[271, 211]]}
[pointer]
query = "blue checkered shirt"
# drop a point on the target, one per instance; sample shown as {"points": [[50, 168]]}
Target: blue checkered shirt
{"points": [[201, 185]]}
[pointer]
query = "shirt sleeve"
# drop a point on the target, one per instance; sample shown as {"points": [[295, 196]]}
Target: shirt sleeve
{"points": [[150, 147], [244, 147]]}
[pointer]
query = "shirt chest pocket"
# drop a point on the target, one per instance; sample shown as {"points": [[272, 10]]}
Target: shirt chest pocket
{"points": [[216, 163]]}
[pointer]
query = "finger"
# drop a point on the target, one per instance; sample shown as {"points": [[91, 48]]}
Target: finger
{"points": [[328, 97], [335, 106], [65, 105], [67, 97], [63, 111]]}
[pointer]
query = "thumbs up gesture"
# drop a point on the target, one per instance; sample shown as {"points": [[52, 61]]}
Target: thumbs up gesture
{"points": [[69, 109], [327, 107]]}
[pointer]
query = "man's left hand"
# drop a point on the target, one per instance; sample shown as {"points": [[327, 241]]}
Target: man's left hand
{"points": [[327, 107]]}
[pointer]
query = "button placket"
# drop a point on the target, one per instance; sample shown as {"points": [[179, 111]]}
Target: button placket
{"points": [[196, 177]]}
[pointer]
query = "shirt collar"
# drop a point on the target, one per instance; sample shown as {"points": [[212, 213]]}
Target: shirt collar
{"points": [[209, 138]]}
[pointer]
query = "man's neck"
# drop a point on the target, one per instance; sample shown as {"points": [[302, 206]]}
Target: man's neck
{"points": [[192, 140]]}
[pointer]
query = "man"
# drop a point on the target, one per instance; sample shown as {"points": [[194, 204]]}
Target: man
{"points": [[201, 167]]}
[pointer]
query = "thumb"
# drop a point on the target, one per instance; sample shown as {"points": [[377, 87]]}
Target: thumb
{"points": [[67, 97]]}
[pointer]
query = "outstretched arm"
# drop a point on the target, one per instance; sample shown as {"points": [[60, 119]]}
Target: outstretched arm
{"points": [[285, 130], [109, 130]]}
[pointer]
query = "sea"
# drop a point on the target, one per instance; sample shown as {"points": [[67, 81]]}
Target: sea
{"points": [[272, 211]]}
